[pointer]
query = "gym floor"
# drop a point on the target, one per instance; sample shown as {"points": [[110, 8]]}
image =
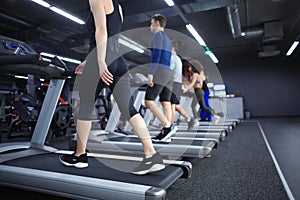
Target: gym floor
{"points": [[241, 168]]}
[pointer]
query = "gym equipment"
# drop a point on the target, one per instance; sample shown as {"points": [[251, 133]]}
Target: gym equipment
{"points": [[148, 116], [36, 167], [110, 141], [179, 147], [26, 109]]}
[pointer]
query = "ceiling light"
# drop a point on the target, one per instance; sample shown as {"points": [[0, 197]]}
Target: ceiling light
{"points": [[21, 77], [42, 3], [130, 45], [213, 57], [67, 15], [170, 2], [195, 34], [59, 11], [202, 43], [292, 48]]}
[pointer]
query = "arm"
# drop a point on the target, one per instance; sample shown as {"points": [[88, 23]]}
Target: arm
{"points": [[202, 76], [98, 10], [191, 85], [156, 50], [79, 68]]}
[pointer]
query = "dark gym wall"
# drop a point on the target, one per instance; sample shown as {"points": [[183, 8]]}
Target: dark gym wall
{"points": [[270, 86]]}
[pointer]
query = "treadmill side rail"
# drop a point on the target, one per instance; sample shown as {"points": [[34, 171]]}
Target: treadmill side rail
{"points": [[72, 186], [187, 169]]}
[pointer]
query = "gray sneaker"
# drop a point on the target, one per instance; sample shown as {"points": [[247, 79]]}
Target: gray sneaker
{"points": [[191, 124], [217, 119], [148, 165]]}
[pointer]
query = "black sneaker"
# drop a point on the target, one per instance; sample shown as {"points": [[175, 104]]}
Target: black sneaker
{"points": [[158, 137], [168, 132], [165, 134], [74, 161], [191, 124], [148, 165]]}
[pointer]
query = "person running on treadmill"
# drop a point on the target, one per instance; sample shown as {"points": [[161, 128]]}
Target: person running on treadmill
{"points": [[160, 78], [176, 66], [188, 77], [104, 21], [197, 83]]}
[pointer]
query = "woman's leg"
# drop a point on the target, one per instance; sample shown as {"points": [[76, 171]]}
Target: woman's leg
{"points": [[182, 112], [88, 84], [200, 96], [194, 110], [139, 126], [122, 94], [89, 87]]}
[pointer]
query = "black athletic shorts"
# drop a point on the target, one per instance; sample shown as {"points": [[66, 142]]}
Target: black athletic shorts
{"points": [[176, 93], [163, 84]]}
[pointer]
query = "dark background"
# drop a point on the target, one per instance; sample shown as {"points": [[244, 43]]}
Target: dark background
{"points": [[269, 84]]}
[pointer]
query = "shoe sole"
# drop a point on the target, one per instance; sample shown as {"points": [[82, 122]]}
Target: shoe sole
{"points": [[217, 121], [77, 165], [154, 168], [165, 139]]}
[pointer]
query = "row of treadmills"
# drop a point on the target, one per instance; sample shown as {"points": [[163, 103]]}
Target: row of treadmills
{"points": [[36, 167]]}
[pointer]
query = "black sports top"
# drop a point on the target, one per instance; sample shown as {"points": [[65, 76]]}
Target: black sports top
{"points": [[113, 24]]}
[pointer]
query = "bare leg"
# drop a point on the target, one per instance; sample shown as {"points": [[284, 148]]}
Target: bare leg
{"points": [[139, 126], [167, 110], [173, 113], [83, 130], [182, 112], [157, 112]]}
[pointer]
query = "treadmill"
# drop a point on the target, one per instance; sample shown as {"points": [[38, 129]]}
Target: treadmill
{"points": [[205, 128], [222, 131], [203, 132], [36, 167], [179, 147], [111, 141]]}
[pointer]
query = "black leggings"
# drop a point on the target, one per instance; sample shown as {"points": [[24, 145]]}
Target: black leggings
{"points": [[200, 97], [90, 84]]}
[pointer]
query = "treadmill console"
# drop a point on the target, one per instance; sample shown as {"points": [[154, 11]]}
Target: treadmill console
{"points": [[11, 46]]}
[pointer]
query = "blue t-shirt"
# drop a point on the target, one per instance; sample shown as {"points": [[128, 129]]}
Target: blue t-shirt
{"points": [[160, 52]]}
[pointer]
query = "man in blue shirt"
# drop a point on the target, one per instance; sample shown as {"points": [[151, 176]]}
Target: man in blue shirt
{"points": [[160, 77]]}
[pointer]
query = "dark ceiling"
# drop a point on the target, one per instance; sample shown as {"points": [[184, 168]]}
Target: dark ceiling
{"points": [[270, 26]]}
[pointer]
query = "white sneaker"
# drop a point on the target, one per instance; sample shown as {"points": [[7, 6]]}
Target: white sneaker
{"points": [[217, 119]]}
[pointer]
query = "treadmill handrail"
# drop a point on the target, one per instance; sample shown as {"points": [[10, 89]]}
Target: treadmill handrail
{"points": [[35, 64], [26, 178], [19, 59]]}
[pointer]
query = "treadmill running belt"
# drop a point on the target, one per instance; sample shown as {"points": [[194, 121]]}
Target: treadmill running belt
{"points": [[96, 169], [174, 141]]}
